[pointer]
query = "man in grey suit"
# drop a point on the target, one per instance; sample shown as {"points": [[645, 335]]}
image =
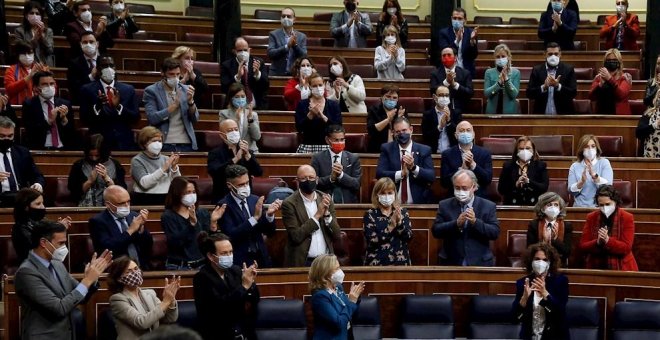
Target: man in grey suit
{"points": [[47, 292], [350, 28], [338, 170], [285, 45]]}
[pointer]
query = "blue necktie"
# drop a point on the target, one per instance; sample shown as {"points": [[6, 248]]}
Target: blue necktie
{"points": [[245, 210], [131, 249], [11, 179]]}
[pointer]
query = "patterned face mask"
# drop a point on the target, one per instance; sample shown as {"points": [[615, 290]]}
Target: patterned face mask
{"points": [[132, 279]]}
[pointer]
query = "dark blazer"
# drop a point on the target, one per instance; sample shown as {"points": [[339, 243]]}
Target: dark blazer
{"points": [[565, 33], [278, 51], [77, 75], [25, 169], [21, 238], [259, 87], [563, 98], [469, 52], [77, 178], [74, 30], [114, 22], [218, 160], [452, 159], [430, 132], [211, 291], [332, 314], [461, 97], [529, 193], [554, 306], [471, 245], [36, 126], [341, 37], [349, 183], [105, 234], [313, 130], [200, 85], [389, 163], [115, 127], [247, 240], [562, 247], [58, 15], [377, 138]]}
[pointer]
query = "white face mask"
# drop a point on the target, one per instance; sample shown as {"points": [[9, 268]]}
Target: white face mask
{"points": [[318, 91], [305, 71], [390, 40], [108, 75], [60, 253], [155, 147], [286, 22], [621, 8], [86, 17], [243, 56], [589, 154], [242, 192], [189, 200], [540, 266], [443, 101], [118, 7], [26, 59], [608, 210], [337, 70], [391, 10], [501, 62], [462, 195], [386, 200], [337, 277], [553, 60], [172, 82], [233, 137], [48, 92], [88, 49], [122, 212], [525, 155], [34, 18], [551, 212]]}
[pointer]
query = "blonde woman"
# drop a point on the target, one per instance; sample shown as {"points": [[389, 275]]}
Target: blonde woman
{"points": [[611, 86], [390, 57], [240, 111], [387, 228], [589, 171], [502, 83], [648, 130], [652, 84], [190, 75]]}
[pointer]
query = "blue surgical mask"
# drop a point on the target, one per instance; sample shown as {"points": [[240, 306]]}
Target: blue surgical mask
{"points": [[403, 138], [239, 102], [465, 137], [457, 24], [226, 261], [389, 103], [557, 6]]}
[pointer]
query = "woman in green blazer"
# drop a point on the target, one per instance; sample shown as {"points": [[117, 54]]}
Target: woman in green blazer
{"points": [[502, 83]]}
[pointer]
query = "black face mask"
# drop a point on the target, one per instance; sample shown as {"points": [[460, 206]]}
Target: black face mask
{"points": [[36, 214], [5, 144], [307, 187], [612, 65], [351, 6]]}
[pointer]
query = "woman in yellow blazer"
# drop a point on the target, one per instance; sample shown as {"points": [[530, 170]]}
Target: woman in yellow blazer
{"points": [[502, 83]]}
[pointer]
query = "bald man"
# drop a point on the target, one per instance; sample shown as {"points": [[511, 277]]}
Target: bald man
{"points": [[121, 230], [250, 71], [310, 221], [233, 150]]}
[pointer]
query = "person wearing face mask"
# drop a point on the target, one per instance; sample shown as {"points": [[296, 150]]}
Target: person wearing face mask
{"points": [[502, 83], [608, 234], [125, 283], [439, 123], [550, 225], [82, 68], [525, 176], [466, 155], [390, 57], [121, 23], [93, 173], [457, 79], [152, 171], [350, 28], [223, 291], [345, 87], [58, 13], [310, 221], [381, 116], [588, 172], [558, 24], [407, 163], [233, 150], [541, 296], [333, 309], [339, 170], [552, 85], [297, 87], [621, 30], [35, 32], [285, 45], [648, 131], [652, 85], [47, 292], [387, 229], [391, 15], [18, 77], [241, 112], [248, 70], [190, 75], [467, 224], [610, 89], [461, 39], [110, 108], [246, 220], [85, 23], [47, 119], [314, 115]]}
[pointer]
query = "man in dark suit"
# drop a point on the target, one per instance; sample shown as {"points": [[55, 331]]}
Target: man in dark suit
{"points": [[462, 39], [84, 23], [47, 292], [439, 123], [467, 224], [338, 170], [407, 163], [17, 168], [250, 71], [48, 120], [110, 107], [285, 45], [82, 68], [552, 85], [121, 23], [246, 221], [457, 79], [310, 221], [233, 150], [350, 28], [121, 230], [468, 156], [558, 25]]}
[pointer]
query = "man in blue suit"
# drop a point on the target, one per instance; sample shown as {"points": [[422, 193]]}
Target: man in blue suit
{"points": [[468, 156], [285, 45], [245, 221], [467, 224], [558, 25], [109, 107], [121, 230], [462, 39], [407, 163]]}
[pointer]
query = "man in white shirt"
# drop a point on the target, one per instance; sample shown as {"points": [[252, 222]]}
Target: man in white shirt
{"points": [[439, 123]]}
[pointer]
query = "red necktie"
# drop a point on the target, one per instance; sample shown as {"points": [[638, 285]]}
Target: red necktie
{"points": [[54, 138], [246, 86], [404, 181], [122, 32], [109, 95]]}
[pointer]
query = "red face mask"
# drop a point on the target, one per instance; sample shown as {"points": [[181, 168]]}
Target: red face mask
{"points": [[448, 61], [337, 147]]}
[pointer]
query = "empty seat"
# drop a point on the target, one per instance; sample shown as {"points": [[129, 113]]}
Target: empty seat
{"points": [[356, 142], [372, 101], [523, 21], [648, 194], [198, 11], [419, 71], [261, 186], [81, 249], [475, 105], [485, 20], [57, 192], [256, 39], [281, 319], [158, 251], [366, 320], [549, 145], [491, 318], [276, 102], [412, 104], [582, 106], [636, 320], [267, 14], [637, 107], [198, 37], [283, 142], [498, 146], [624, 188], [364, 71], [411, 18], [141, 8], [515, 248], [204, 190], [323, 17], [105, 326], [583, 318], [427, 317], [525, 72], [612, 146], [208, 67], [492, 194], [514, 44], [584, 73], [8, 258], [187, 314], [480, 72], [342, 249], [207, 140], [560, 187]]}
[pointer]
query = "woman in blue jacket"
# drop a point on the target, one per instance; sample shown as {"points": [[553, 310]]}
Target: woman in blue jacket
{"points": [[502, 83]]}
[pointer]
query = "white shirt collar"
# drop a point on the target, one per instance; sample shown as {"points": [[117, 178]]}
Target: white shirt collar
{"points": [[307, 200], [408, 148]]}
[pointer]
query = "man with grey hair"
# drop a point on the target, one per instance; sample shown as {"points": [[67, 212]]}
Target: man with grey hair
{"points": [[467, 224]]}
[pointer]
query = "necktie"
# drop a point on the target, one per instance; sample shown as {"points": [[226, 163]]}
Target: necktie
{"points": [[550, 108], [290, 58], [131, 249], [337, 195], [109, 94], [56, 278], [404, 181], [246, 84], [246, 212], [464, 208], [54, 136], [121, 33], [91, 63], [11, 179]]}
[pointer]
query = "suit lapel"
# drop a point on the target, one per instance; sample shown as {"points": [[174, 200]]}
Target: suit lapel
{"points": [[161, 94], [56, 287], [300, 207]]}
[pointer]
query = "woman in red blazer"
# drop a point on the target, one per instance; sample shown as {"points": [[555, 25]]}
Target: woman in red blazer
{"points": [[297, 88], [622, 29], [611, 86], [607, 237]]}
